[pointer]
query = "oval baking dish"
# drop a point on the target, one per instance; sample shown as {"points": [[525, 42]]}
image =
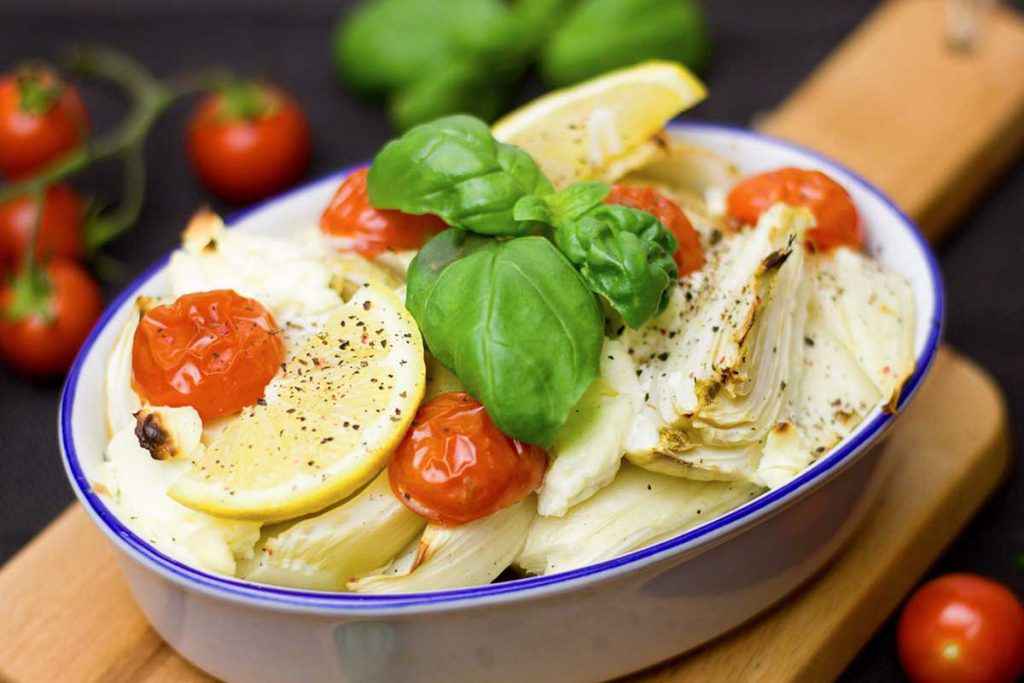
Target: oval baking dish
{"points": [[596, 622]]}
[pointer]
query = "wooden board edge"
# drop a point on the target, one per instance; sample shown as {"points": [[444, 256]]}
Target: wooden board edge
{"points": [[860, 625]]}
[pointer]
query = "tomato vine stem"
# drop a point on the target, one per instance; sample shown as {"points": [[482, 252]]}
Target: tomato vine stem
{"points": [[150, 98]]}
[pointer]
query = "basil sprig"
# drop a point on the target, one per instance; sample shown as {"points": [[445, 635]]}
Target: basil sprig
{"points": [[507, 298], [623, 254]]}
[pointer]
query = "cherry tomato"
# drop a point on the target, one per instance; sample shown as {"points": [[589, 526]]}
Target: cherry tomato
{"points": [[454, 465], [215, 351], [962, 628], [689, 254], [837, 217], [368, 231], [248, 141], [41, 119], [44, 339], [60, 230]]}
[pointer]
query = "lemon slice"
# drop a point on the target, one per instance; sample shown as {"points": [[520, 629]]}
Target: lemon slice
{"points": [[329, 421], [595, 129]]}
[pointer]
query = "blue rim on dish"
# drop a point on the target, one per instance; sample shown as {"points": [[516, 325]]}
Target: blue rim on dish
{"points": [[296, 599]]}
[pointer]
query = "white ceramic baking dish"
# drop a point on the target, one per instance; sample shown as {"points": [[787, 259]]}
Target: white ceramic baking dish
{"points": [[592, 623]]}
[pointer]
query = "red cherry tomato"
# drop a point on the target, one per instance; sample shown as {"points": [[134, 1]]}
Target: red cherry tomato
{"points": [[368, 231], [962, 628], [44, 341], [689, 254], [837, 217], [248, 141], [454, 465], [215, 351], [60, 230], [41, 119]]}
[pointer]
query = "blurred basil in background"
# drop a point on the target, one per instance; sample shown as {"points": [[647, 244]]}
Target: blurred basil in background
{"points": [[429, 58]]}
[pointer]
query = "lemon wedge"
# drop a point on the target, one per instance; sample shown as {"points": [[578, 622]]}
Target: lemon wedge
{"points": [[328, 423], [601, 128]]}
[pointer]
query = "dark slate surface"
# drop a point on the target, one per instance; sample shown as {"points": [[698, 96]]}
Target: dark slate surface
{"points": [[763, 51]]}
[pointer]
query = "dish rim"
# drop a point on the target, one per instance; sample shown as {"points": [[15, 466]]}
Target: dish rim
{"points": [[292, 599]]}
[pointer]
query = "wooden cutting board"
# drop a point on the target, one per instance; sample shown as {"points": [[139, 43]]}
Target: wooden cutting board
{"points": [[927, 125], [68, 614]]}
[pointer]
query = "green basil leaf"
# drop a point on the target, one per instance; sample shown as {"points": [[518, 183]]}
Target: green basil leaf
{"points": [[454, 168], [436, 255], [563, 206], [533, 208], [464, 86], [625, 255], [574, 201], [539, 18], [389, 44], [515, 323], [601, 35]]}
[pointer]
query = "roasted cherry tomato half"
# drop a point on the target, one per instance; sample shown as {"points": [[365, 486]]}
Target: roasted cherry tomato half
{"points": [[60, 230], [454, 465], [248, 141], [689, 256], [358, 227], [41, 119], [41, 337], [962, 628], [215, 351], [837, 217]]}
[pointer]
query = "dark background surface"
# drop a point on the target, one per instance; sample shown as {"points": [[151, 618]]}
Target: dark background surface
{"points": [[763, 50]]}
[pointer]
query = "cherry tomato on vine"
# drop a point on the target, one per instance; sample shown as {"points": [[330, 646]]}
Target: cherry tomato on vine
{"points": [[45, 317], [454, 465], [368, 231], [837, 217], [60, 230], [962, 628], [689, 256], [248, 141], [215, 351], [41, 119]]}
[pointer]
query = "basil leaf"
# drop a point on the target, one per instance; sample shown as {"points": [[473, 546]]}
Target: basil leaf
{"points": [[454, 168], [437, 254], [563, 206], [514, 321], [625, 255], [601, 35], [389, 44], [462, 86], [539, 18]]}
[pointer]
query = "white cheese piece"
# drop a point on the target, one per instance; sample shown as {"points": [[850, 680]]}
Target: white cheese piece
{"points": [[287, 276], [871, 312], [136, 487]]}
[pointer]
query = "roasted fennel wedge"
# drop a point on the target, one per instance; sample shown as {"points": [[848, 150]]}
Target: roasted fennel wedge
{"points": [[638, 508], [327, 550], [451, 557], [714, 368], [122, 401], [871, 312], [587, 451]]}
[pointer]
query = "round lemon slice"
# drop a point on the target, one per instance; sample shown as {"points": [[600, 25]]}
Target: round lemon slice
{"points": [[328, 423], [603, 127]]}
